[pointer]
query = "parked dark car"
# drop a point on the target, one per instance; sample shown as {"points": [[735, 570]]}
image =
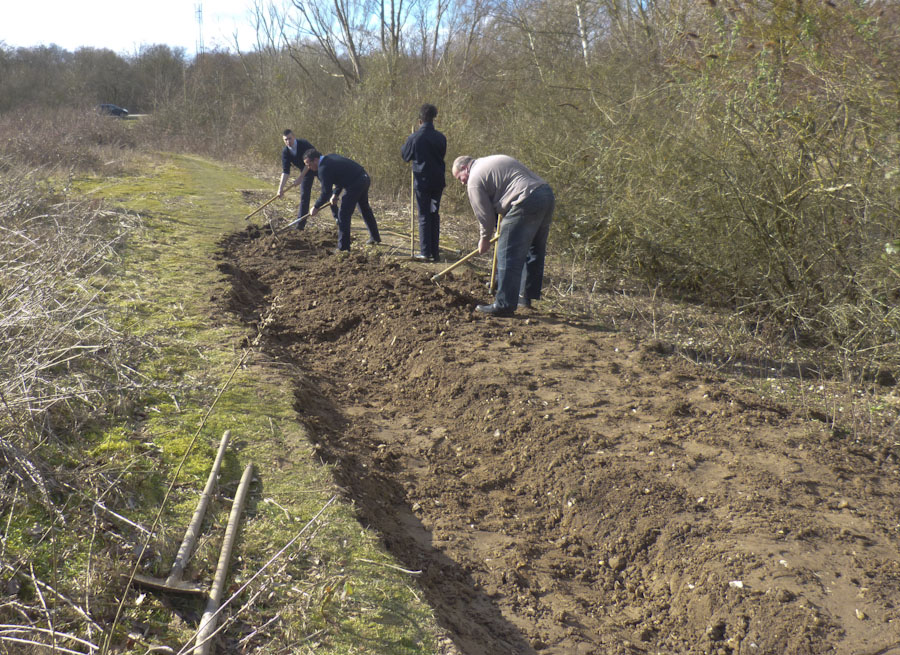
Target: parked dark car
{"points": [[112, 110]]}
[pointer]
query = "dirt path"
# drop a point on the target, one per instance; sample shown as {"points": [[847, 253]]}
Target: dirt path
{"points": [[566, 490]]}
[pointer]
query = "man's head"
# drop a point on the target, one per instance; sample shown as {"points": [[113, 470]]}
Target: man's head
{"points": [[289, 139], [427, 113], [461, 166], [311, 159]]}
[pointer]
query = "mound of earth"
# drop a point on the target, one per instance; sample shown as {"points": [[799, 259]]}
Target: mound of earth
{"points": [[569, 490]]}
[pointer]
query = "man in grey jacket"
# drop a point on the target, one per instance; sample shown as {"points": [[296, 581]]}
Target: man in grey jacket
{"points": [[499, 185]]}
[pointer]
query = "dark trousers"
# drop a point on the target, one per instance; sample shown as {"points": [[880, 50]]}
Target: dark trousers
{"points": [[305, 195], [356, 195], [429, 202]]}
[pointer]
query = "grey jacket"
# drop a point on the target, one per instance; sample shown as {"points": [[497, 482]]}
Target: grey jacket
{"points": [[495, 184]]}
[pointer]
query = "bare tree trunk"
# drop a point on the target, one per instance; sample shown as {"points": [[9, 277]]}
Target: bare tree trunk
{"points": [[473, 15], [582, 32], [343, 12], [439, 16]]}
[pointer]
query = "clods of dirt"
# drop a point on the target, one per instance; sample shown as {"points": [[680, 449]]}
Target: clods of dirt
{"points": [[569, 490]]}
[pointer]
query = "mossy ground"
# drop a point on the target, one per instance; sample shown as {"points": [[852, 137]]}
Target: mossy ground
{"points": [[334, 590]]}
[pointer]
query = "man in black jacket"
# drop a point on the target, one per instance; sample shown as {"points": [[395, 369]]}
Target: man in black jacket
{"points": [[426, 148], [337, 174], [292, 153]]}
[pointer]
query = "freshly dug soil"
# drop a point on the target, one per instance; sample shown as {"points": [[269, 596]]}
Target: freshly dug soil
{"points": [[569, 490]]}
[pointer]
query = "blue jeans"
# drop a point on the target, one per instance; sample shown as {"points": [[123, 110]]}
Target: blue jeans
{"points": [[522, 248], [356, 194]]}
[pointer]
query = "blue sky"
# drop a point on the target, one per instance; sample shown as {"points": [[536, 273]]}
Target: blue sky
{"points": [[125, 26]]}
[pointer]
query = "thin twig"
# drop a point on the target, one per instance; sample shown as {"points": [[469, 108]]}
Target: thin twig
{"points": [[55, 649], [243, 641], [37, 588], [8, 628], [134, 525], [386, 565], [68, 602], [12, 507]]}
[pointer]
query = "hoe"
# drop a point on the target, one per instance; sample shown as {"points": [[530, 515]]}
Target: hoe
{"points": [[461, 261], [174, 582]]}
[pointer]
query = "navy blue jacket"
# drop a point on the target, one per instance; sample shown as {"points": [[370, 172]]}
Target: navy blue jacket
{"points": [[426, 148], [288, 158], [337, 173]]}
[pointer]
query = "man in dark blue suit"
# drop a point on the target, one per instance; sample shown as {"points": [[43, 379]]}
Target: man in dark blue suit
{"points": [[337, 174], [426, 148], [292, 154]]}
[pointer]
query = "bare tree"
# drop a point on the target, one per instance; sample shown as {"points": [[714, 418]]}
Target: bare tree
{"points": [[158, 74], [465, 32], [429, 19], [582, 31], [393, 15], [339, 27]]}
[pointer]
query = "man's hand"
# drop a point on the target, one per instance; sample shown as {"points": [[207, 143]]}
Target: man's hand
{"points": [[484, 244], [314, 211], [334, 200], [281, 192]]}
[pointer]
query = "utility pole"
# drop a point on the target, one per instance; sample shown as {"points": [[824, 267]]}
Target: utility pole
{"points": [[199, 9]]}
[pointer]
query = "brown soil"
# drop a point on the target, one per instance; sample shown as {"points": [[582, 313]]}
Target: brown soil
{"points": [[569, 490]]}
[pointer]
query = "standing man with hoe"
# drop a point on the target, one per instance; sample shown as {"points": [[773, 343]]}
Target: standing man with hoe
{"points": [[500, 185], [426, 148], [338, 174], [292, 153]]}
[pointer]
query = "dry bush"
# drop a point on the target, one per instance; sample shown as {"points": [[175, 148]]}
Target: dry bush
{"points": [[756, 168], [61, 140], [58, 354], [64, 370]]}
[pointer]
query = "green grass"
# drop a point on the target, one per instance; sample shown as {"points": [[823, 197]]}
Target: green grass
{"points": [[328, 598]]}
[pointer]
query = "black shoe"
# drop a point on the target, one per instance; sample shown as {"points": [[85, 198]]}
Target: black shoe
{"points": [[493, 310], [338, 251], [373, 242], [420, 257], [436, 259], [524, 302]]}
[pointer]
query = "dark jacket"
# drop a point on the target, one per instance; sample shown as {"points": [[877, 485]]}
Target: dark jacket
{"points": [[288, 158], [426, 148], [337, 173]]}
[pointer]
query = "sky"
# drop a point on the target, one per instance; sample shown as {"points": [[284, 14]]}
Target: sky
{"points": [[125, 26]]}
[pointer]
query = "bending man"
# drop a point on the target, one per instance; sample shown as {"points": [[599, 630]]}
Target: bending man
{"points": [[426, 148], [292, 154], [500, 185], [338, 174]]}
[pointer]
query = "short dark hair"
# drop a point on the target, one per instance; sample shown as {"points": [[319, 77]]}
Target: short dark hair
{"points": [[427, 113], [312, 153], [288, 132]]}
